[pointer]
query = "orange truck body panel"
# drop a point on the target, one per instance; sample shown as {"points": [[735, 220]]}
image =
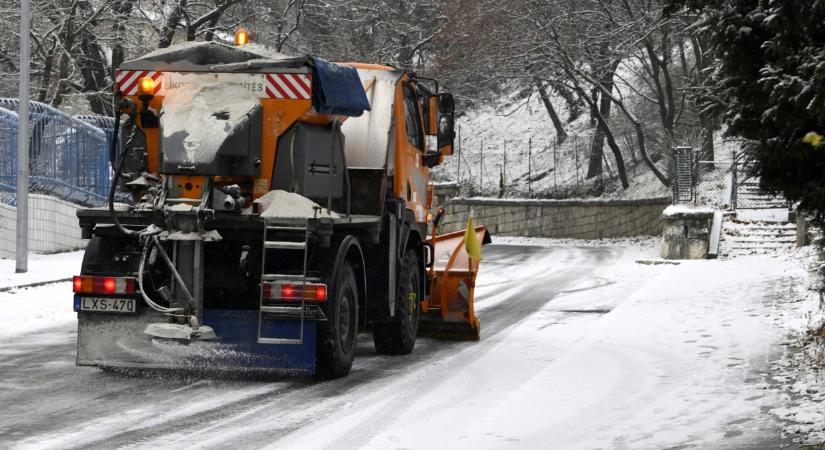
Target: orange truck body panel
{"points": [[452, 283]]}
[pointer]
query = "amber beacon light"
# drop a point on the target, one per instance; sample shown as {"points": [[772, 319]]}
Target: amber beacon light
{"points": [[146, 86], [241, 37]]}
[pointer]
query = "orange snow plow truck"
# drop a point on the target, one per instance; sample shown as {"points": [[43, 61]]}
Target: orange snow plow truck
{"points": [[280, 206]]}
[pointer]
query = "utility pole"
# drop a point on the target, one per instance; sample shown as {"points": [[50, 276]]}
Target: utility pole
{"points": [[530, 166], [555, 171], [22, 249], [505, 162], [481, 169], [576, 151]]}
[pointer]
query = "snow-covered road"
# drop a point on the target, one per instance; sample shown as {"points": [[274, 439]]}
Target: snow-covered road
{"points": [[581, 348]]}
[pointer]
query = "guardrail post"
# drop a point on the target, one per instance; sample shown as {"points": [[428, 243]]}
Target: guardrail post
{"points": [[733, 181]]}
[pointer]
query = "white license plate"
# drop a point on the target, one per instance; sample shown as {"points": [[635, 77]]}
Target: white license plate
{"points": [[108, 304]]}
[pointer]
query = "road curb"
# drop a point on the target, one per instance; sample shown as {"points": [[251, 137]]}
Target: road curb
{"points": [[30, 285]]}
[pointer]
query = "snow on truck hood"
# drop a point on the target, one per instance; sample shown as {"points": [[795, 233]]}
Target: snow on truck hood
{"points": [[206, 110]]}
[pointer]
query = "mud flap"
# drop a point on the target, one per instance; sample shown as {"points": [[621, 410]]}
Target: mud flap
{"points": [[449, 312], [110, 340]]}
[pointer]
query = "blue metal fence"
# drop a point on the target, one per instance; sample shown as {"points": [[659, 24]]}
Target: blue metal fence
{"points": [[68, 156]]}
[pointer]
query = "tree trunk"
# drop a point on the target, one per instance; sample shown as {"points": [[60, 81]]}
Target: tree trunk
{"points": [[640, 136], [210, 35], [561, 135], [708, 127], [594, 167], [593, 102], [93, 71], [122, 10], [68, 40], [611, 141], [594, 164], [708, 120], [574, 105], [171, 25], [42, 97]]}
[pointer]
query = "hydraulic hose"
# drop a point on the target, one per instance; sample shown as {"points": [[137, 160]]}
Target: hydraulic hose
{"points": [[145, 254], [117, 171]]}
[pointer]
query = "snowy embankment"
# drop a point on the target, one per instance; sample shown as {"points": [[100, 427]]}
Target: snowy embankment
{"points": [[28, 309], [800, 373], [516, 138], [42, 268]]}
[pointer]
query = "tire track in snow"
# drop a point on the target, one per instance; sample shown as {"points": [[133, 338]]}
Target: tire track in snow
{"points": [[378, 373], [88, 393]]}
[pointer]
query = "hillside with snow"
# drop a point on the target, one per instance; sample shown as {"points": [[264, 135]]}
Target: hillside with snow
{"points": [[510, 149]]}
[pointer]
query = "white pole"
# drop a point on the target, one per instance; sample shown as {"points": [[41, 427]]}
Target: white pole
{"points": [[22, 249]]}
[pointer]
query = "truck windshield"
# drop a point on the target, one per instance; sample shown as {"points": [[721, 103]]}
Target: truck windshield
{"points": [[413, 118]]}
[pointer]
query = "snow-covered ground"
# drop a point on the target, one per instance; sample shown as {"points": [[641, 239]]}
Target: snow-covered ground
{"points": [[582, 347], [800, 373], [42, 268]]}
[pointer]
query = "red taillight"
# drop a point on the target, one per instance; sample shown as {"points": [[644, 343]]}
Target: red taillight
{"points": [[130, 285], [109, 285], [104, 285], [98, 286], [312, 292]]}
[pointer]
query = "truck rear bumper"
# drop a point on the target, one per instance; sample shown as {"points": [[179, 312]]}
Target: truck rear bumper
{"points": [[113, 340]]}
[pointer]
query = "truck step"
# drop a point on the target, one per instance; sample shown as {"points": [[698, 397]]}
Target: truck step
{"points": [[263, 340], [281, 309], [284, 228], [284, 245]]}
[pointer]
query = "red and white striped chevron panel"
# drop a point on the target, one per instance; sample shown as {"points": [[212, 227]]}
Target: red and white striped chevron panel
{"points": [[288, 85], [127, 80]]}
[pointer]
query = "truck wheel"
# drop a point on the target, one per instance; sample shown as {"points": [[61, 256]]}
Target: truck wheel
{"points": [[338, 335], [397, 337]]}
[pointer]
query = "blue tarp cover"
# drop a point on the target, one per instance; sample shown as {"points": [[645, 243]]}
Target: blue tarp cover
{"points": [[338, 90]]}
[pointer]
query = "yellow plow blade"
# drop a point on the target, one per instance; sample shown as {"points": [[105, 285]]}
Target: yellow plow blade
{"points": [[449, 312]]}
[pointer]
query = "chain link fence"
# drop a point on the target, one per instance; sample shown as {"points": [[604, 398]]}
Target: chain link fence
{"points": [[538, 167], [69, 157], [723, 183]]}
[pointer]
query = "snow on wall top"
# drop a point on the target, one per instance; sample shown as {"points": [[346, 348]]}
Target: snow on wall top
{"points": [[676, 211]]}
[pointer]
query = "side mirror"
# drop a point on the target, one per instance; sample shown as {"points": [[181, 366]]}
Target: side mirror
{"points": [[446, 123], [432, 159]]}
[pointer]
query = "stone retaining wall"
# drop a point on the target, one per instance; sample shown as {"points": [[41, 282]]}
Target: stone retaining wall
{"points": [[581, 219]]}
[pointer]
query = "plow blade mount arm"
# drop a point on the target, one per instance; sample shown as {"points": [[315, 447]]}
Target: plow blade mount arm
{"points": [[450, 312]]}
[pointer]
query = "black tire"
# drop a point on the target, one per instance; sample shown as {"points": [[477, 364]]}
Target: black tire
{"points": [[338, 335], [397, 337]]}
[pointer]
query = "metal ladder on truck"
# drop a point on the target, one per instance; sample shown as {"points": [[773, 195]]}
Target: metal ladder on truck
{"points": [[281, 312]]}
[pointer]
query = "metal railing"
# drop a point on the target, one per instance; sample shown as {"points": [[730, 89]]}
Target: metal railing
{"points": [[728, 184], [683, 174], [68, 156]]}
